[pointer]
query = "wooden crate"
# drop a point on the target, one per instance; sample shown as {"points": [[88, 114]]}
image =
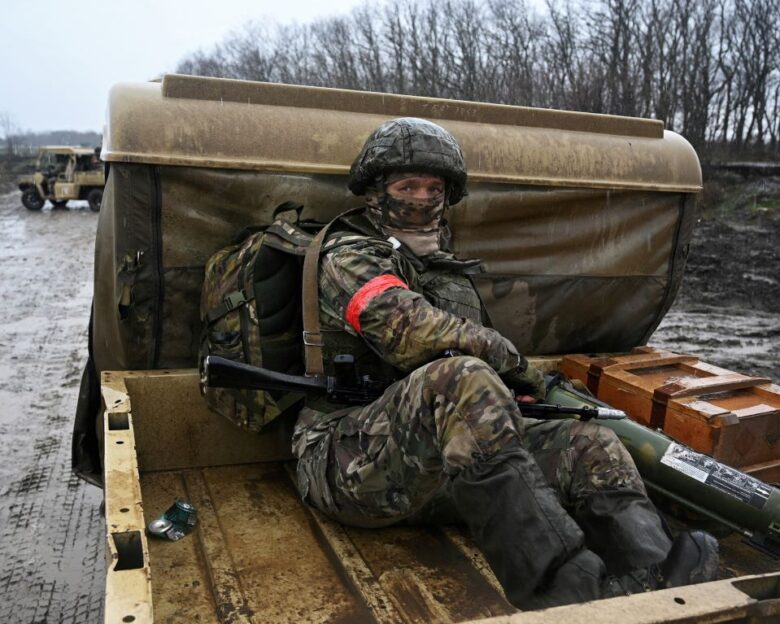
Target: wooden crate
{"points": [[589, 367], [733, 417]]}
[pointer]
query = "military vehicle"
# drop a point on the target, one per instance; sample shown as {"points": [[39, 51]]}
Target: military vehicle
{"points": [[63, 173], [582, 223]]}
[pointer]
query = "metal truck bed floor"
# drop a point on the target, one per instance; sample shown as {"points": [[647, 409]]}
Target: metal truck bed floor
{"points": [[258, 554]]}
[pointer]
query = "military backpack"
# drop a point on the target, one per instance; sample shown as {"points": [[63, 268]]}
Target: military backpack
{"points": [[251, 312]]}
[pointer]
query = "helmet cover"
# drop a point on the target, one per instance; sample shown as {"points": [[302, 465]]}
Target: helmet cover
{"points": [[410, 144]]}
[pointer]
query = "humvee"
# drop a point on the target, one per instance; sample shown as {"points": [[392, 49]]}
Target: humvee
{"points": [[582, 223], [63, 173]]}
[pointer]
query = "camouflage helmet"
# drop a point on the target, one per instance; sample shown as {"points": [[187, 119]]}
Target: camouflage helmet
{"points": [[410, 144]]}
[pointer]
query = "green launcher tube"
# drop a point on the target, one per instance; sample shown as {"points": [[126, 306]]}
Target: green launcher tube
{"points": [[692, 479]]}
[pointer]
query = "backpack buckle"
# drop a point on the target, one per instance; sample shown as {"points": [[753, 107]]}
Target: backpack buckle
{"points": [[233, 300]]}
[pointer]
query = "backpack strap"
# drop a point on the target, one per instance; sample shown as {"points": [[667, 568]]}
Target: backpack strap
{"points": [[229, 303], [298, 239], [310, 299]]}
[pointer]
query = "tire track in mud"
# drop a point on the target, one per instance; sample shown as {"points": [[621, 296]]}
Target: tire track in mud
{"points": [[741, 340], [51, 530]]}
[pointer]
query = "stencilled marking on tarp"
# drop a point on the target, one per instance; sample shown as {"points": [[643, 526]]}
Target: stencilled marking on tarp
{"points": [[711, 472]]}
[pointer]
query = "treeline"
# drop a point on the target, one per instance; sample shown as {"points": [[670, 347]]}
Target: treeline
{"points": [[710, 69], [26, 144]]}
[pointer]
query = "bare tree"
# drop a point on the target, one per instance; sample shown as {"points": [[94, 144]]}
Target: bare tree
{"points": [[708, 68], [10, 131], [515, 39]]}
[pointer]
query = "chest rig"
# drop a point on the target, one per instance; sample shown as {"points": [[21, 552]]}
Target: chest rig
{"points": [[441, 278]]}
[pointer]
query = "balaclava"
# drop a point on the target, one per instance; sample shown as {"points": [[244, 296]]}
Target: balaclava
{"points": [[414, 222]]}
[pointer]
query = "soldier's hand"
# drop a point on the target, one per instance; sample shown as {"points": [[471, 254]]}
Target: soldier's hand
{"points": [[525, 398], [525, 380]]}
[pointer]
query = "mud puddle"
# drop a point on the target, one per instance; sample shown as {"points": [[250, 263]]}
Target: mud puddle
{"points": [[733, 338], [728, 309]]}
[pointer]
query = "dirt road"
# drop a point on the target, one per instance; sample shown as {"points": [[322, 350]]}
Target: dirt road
{"points": [[51, 534]]}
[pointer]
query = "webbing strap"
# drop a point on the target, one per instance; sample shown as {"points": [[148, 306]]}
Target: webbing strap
{"points": [[231, 301], [310, 299]]}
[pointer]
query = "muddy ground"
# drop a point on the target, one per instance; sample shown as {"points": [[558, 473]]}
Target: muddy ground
{"points": [[51, 535], [728, 309], [51, 540]]}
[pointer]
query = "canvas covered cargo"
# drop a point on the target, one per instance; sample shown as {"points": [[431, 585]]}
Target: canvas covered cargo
{"points": [[582, 221]]}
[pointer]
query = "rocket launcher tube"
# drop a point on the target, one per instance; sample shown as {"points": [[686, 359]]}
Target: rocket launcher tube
{"points": [[692, 479]]}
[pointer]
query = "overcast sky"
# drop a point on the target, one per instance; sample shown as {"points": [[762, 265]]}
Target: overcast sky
{"points": [[58, 58]]}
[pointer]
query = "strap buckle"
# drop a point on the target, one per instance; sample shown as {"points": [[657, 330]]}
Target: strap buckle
{"points": [[312, 339], [234, 299]]}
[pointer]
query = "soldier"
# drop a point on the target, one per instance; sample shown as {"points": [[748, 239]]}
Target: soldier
{"points": [[557, 507]]}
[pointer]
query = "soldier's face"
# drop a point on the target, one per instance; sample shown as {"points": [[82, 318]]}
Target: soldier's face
{"points": [[419, 186]]}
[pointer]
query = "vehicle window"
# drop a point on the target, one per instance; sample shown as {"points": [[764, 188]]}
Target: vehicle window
{"points": [[85, 163]]}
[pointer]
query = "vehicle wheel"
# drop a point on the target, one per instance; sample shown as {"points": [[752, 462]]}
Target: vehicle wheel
{"points": [[59, 204], [31, 199], [95, 197]]}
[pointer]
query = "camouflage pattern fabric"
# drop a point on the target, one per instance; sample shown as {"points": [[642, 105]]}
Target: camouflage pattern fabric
{"points": [[380, 463], [401, 325], [406, 144], [250, 312], [416, 223], [393, 460], [385, 462], [598, 484], [580, 458]]}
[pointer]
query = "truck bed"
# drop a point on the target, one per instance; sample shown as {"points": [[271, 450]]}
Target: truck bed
{"points": [[259, 551], [258, 554]]}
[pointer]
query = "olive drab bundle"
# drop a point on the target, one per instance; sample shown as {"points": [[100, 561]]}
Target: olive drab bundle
{"points": [[251, 312]]}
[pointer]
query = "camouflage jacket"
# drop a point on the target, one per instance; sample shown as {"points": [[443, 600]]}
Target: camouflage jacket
{"points": [[395, 312]]}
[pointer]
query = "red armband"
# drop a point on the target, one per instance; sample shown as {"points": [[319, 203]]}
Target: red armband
{"points": [[366, 293]]}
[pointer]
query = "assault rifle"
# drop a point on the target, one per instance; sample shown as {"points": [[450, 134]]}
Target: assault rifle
{"points": [[349, 388]]}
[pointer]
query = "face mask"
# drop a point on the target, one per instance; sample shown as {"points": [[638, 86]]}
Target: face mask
{"points": [[414, 222]]}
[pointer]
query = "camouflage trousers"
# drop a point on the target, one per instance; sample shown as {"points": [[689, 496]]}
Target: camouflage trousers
{"points": [[386, 462]]}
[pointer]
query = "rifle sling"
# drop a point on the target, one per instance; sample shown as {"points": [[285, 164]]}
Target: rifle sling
{"points": [[310, 299]]}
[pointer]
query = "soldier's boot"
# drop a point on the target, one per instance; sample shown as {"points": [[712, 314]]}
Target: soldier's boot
{"points": [[533, 546], [623, 527], [692, 559]]}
